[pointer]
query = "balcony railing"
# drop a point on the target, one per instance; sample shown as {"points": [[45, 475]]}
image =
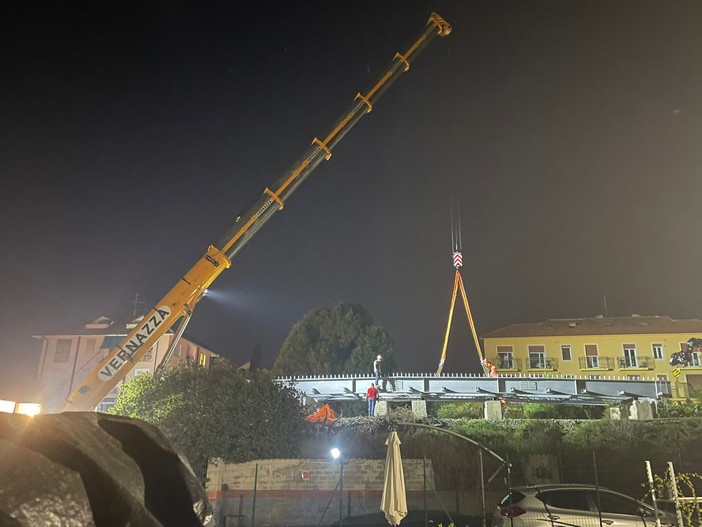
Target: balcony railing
{"points": [[543, 363], [592, 362], [635, 362], [504, 363]]}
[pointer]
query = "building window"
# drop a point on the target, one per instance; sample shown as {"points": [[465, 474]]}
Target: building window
{"points": [[657, 350], [630, 356], [696, 360], [505, 357], [592, 356], [537, 357], [63, 350], [566, 352], [202, 360]]}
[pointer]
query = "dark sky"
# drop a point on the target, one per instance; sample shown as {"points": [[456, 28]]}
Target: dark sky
{"points": [[132, 134]]}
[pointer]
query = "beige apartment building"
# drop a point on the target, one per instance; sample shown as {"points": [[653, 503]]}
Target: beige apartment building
{"points": [[622, 347], [68, 355]]}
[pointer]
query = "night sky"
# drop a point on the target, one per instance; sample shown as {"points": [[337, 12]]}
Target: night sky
{"points": [[133, 134]]}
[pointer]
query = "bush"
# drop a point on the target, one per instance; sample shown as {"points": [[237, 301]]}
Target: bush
{"points": [[460, 411], [561, 411]]}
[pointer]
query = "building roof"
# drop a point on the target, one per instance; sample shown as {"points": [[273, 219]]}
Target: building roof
{"points": [[633, 325], [118, 325]]}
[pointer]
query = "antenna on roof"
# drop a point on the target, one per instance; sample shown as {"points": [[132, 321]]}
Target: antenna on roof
{"points": [[135, 302], [606, 312]]}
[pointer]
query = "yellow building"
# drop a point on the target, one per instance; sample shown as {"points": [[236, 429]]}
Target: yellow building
{"points": [[624, 347]]}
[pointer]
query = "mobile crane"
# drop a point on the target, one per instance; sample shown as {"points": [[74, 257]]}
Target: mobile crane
{"points": [[179, 302]]}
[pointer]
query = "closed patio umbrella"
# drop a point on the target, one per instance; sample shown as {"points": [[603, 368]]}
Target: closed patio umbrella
{"points": [[394, 501]]}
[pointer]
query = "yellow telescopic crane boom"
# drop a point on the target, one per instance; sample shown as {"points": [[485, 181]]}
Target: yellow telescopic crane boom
{"points": [[180, 301]]}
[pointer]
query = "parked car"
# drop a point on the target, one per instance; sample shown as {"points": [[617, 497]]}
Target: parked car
{"points": [[572, 505]]}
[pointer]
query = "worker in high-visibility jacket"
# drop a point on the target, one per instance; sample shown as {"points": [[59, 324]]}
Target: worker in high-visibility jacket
{"points": [[489, 367]]}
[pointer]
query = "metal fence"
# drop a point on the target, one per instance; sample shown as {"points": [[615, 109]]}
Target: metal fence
{"points": [[458, 482]]}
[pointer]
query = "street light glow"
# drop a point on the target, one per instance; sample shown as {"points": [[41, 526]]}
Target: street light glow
{"points": [[30, 409], [14, 407], [335, 453]]}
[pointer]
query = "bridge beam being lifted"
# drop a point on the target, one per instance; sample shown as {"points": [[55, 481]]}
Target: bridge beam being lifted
{"points": [[454, 388]]}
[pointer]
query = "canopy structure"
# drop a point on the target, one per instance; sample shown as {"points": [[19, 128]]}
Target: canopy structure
{"points": [[324, 416]]}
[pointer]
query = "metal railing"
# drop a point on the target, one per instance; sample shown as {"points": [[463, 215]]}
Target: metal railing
{"points": [[507, 363], [635, 362], [596, 362], [543, 363]]}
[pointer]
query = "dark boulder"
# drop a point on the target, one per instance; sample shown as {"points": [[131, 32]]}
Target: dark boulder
{"points": [[85, 468]]}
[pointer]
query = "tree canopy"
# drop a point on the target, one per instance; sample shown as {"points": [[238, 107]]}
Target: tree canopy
{"points": [[220, 412], [339, 339]]}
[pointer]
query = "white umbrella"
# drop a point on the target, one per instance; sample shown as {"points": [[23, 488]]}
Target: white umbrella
{"points": [[394, 502]]}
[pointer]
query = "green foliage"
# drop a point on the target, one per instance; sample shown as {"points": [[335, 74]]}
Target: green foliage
{"points": [[340, 339], [611, 435], [688, 408], [687, 485], [560, 411], [220, 412], [460, 411]]}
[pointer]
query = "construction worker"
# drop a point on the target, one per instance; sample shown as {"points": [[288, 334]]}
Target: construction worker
{"points": [[489, 367], [372, 396], [377, 365]]}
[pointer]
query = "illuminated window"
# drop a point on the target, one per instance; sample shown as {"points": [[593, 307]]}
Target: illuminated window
{"points": [[592, 356], [657, 350], [505, 357], [630, 355], [202, 359], [537, 357], [566, 352], [63, 350], [696, 359]]}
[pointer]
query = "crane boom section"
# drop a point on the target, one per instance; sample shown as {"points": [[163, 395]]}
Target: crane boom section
{"points": [[181, 299]]}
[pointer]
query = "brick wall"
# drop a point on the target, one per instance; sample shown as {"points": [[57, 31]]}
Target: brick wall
{"points": [[304, 492]]}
